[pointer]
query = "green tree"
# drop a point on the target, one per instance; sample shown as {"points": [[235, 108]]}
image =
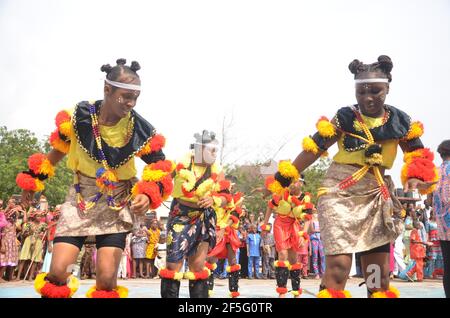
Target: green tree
{"points": [[314, 176], [15, 148]]}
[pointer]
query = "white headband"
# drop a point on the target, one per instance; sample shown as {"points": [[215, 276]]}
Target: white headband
{"points": [[124, 85], [371, 80]]}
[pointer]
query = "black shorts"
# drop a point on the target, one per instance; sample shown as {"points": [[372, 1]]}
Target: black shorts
{"points": [[105, 240], [386, 248]]}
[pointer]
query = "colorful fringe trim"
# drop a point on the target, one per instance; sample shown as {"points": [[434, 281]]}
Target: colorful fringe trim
{"points": [[204, 274]]}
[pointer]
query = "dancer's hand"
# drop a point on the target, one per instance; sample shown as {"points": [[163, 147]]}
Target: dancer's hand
{"points": [[414, 183], [206, 202], [140, 204]]}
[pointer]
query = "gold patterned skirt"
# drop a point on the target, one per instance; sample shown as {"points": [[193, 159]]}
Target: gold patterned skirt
{"points": [[357, 219], [98, 220]]}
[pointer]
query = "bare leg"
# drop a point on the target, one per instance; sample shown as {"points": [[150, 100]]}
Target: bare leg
{"points": [[141, 267], [337, 271], [375, 268], [108, 261], [63, 258], [197, 261], [134, 261], [20, 269]]}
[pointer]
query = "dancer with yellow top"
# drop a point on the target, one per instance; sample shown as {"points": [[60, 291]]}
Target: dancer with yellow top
{"points": [[101, 139], [291, 207], [228, 242], [357, 210], [191, 227]]}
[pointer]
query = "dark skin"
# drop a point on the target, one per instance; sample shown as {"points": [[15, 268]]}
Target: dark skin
{"points": [[370, 98], [117, 103]]}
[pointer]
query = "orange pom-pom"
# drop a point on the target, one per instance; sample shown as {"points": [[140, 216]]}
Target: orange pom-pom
{"points": [[157, 142]]}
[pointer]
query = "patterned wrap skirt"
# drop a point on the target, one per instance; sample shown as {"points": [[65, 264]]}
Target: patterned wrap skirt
{"points": [[98, 220], [186, 228], [357, 219]]}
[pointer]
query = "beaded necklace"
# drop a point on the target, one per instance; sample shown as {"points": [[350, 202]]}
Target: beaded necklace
{"points": [[106, 177]]}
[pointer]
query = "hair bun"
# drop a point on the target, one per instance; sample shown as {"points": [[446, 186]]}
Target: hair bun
{"points": [[106, 68], [135, 66], [355, 66], [385, 63], [121, 61]]}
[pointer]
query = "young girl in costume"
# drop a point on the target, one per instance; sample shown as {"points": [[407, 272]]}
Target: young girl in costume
{"points": [[291, 206], [227, 239], [357, 211], [101, 139], [191, 227]]}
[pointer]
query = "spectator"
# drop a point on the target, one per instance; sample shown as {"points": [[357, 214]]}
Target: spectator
{"points": [[268, 248], [316, 247], [243, 256], [152, 248], [441, 204], [417, 253], [253, 252], [139, 242]]}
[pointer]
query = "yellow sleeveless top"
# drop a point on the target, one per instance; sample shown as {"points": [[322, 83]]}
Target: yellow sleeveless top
{"points": [[389, 147], [114, 136]]}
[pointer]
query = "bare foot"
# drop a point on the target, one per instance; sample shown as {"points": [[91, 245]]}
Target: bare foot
{"points": [[282, 296]]}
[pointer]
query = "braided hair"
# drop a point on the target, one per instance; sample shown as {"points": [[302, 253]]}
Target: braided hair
{"points": [[383, 65], [114, 73]]}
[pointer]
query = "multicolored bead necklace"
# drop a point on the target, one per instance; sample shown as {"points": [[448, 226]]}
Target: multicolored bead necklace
{"points": [[106, 178]]}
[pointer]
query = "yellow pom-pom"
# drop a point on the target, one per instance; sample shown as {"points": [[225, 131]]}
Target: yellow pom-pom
{"points": [[324, 293], [39, 185], [288, 170], [347, 294], [325, 128], [310, 145], [47, 168], [205, 187], [153, 175], [415, 130], [275, 187], [90, 291], [122, 291], [189, 275], [65, 128], [395, 291], [189, 176], [73, 285], [39, 282]]}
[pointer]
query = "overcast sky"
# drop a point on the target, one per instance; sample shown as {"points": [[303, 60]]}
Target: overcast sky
{"points": [[276, 65]]}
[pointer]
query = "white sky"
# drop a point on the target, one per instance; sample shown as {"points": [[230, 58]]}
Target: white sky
{"points": [[277, 65]]}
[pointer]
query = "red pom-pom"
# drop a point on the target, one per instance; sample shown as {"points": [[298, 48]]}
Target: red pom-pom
{"points": [[52, 291], [296, 266], [422, 169], [165, 273], [164, 165], [269, 181], [62, 117], [235, 268], [296, 201], [179, 167], [35, 162], [105, 294], [157, 142], [282, 290], [167, 185], [26, 182], [234, 294], [151, 189], [224, 185]]}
